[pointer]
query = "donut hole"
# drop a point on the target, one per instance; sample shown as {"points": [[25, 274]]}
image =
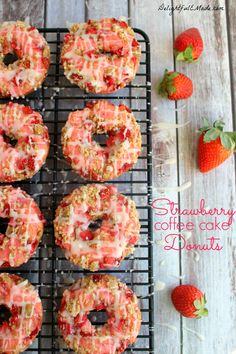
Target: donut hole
{"points": [[101, 139], [5, 314], [98, 318], [3, 226], [10, 58], [95, 224], [10, 140]]}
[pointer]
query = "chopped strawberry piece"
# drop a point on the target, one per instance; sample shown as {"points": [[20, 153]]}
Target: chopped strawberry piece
{"points": [[123, 24], [119, 51], [36, 120], [100, 307], [14, 45], [31, 163], [21, 163], [111, 140], [65, 327], [129, 294], [31, 28], [1, 238], [110, 261], [135, 43], [45, 62], [105, 193], [86, 235], [109, 80], [76, 77], [89, 86], [27, 110], [27, 63], [97, 277], [123, 134], [68, 37], [90, 104], [123, 107], [91, 30], [134, 60], [90, 53]]}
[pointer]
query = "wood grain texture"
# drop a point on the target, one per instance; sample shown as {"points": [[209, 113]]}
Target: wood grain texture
{"points": [[13, 10], [60, 13], [231, 12], [213, 272], [144, 15]]}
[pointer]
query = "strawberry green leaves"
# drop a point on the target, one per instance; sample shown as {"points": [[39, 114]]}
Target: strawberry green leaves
{"points": [[199, 304], [186, 55], [166, 86], [228, 139]]}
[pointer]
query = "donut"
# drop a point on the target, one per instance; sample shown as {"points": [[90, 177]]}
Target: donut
{"points": [[25, 226], [87, 157], [100, 56], [21, 300], [96, 226], [32, 54], [20, 123], [99, 292]]}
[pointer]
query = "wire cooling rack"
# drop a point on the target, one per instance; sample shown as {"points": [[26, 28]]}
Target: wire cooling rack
{"points": [[48, 270]]}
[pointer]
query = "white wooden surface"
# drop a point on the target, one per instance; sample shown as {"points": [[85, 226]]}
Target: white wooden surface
{"points": [[214, 93]]}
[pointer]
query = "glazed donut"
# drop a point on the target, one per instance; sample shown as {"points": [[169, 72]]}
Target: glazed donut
{"points": [[100, 56], [23, 160], [96, 226], [25, 226], [19, 297], [88, 158], [99, 292], [33, 58]]}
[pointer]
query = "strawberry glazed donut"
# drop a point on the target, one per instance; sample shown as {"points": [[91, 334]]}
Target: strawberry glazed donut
{"points": [[100, 56], [21, 311], [87, 157], [24, 126], [24, 229], [99, 292], [31, 53], [96, 226]]}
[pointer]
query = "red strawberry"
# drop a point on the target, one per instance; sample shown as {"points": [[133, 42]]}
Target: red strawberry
{"points": [[175, 86], [188, 45], [189, 301], [31, 163], [86, 235], [214, 145], [27, 110]]}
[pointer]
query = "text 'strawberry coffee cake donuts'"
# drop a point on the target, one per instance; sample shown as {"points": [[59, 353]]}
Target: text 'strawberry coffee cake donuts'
{"points": [[21, 300], [22, 161], [32, 58], [100, 56], [99, 292], [96, 226], [25, 226], [87, 157]]}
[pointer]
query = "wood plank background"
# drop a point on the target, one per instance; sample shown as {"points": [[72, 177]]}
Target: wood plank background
{"points": [[214, 96]]}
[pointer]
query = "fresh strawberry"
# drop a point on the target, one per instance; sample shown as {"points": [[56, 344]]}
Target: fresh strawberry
{"points": [[214, 145], [175, 86], [189, 301], [188, 45]]}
